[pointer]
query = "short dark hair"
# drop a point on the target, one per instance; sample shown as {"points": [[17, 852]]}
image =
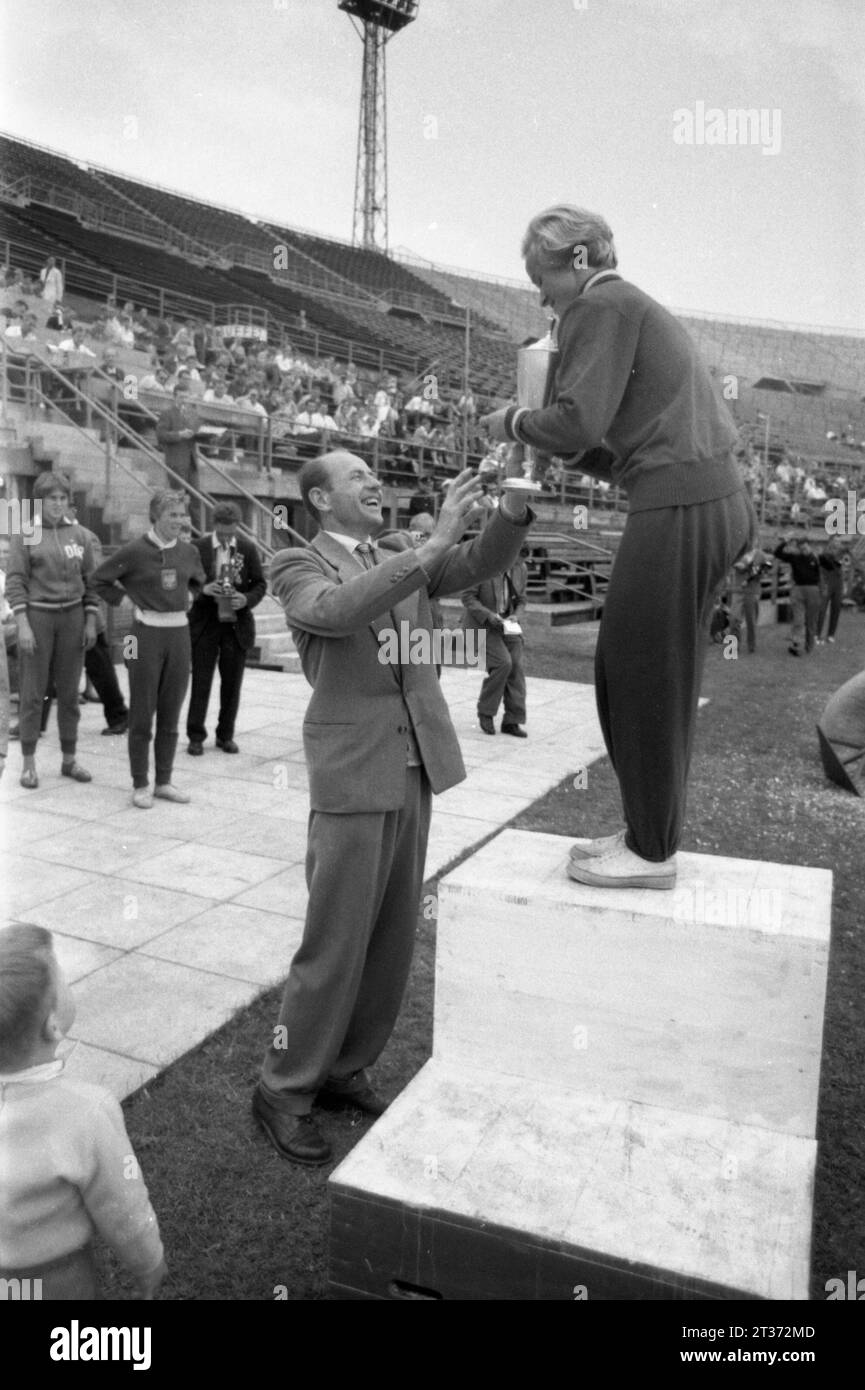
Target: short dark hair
{"points": [[26, 988], [314, 473], [225, 514], [49, 481]]}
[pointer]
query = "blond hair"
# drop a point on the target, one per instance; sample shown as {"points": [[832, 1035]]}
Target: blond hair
{"points": [[553, 237]]}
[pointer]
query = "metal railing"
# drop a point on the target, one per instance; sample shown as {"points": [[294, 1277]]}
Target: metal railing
{"points": [[35, 368]]}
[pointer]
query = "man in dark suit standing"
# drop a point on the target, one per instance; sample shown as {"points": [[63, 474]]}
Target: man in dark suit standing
{"points": [[221, 626], [176, 431], [494, 608], [378, 740]]}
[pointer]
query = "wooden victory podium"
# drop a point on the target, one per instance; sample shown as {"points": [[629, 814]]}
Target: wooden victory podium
{"points": [[622, 1098]]}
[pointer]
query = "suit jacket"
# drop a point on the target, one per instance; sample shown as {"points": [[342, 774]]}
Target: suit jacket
{"points": [[180, 454], [491, 597], [250, 581], [356, 725]]}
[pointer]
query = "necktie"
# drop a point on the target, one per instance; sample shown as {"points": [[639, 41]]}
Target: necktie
{"points": [[365, 552]]}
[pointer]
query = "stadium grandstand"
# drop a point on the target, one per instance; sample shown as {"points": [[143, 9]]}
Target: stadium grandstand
{"points": [[290, 341]]}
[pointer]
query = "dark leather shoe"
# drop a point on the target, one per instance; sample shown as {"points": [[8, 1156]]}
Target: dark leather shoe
{"points": [[196, 749], [515, 730], [486, 723], [227, 745], [121, 727], [368, 1101], [294, 1137]]}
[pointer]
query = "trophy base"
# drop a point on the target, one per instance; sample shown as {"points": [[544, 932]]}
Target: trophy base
{"points": [[520, 485]]}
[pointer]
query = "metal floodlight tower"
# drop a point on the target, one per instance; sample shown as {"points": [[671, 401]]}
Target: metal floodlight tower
{"points": [[376, 21]]}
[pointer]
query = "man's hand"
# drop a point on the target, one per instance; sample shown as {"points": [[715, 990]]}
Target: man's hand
{"points": [[238, 600], [26, 639], [186, 434], [494, 425], [213, 589], [461, 499], [91, 631]]}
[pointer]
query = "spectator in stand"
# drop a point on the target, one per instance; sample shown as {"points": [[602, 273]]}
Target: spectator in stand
{"points": [[156, 381], [49, 589], [251, 402], [217, 393], [182, 341], [157, 572], [75, 343], [21, 333], [109, 365], [176, 432], [59, 320], [831, 588], [381, 404], [421, 438], [424, 499], [799, 554], [51, 280]]}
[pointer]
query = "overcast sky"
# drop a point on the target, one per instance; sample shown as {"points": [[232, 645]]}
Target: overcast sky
{"points": [[496, 109]]}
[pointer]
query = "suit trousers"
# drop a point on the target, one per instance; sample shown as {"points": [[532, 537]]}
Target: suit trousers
{"points": [[651, 649], [212, 643], [364, 873], [505, 678], [59, 655], [158, 679], [100, 669], [805, 602], [831, 595]]}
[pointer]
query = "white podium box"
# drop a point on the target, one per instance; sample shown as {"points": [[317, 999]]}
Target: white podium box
{"points": [[706, 999], [622, 1097], [478, 1186]]}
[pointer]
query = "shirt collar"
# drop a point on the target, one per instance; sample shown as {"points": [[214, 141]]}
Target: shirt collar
{"points": [[163, 545], [45, 1071], [350, 542]]}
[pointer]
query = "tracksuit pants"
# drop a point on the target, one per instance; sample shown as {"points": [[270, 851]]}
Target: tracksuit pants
{"points": [[59, 651], [805, 601], [650, 654], [158, 679]]}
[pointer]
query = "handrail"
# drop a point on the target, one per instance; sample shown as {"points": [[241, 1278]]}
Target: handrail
{"points": [[142, 445]]}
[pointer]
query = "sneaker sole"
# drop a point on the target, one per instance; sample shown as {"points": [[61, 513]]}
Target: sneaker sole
{"points": [[594, 880]]}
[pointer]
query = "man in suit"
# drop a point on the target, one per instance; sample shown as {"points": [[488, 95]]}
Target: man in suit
{"points": [[378, 740], [494, 608], [221, 626], [176, 431]]}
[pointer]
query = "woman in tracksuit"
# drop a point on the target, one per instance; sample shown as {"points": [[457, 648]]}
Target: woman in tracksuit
{"points": [[631, 388], [48, 587]]}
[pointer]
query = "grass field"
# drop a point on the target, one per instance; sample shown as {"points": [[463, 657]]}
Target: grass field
{"points": [[240, 1224]]}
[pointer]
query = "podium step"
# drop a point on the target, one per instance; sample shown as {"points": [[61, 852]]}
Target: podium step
{"points": [[708, 999], [487, 1187]]}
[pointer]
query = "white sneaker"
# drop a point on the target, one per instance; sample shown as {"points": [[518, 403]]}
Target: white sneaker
{"points": [[142, 797], [169, 793], [590, 849], [621, 868]]}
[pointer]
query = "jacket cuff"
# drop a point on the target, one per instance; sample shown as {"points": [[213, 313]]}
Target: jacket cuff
{"points": [[513, 416]]}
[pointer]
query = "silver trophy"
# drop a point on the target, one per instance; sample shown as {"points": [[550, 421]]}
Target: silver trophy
{"points": [[533, 370]]}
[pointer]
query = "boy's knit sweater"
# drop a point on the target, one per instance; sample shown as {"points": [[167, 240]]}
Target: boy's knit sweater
{"points": [[67, 1169]]}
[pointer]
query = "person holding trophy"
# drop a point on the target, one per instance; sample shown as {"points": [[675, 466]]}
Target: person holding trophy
{"points": [[221, 626], [628, 395]]}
